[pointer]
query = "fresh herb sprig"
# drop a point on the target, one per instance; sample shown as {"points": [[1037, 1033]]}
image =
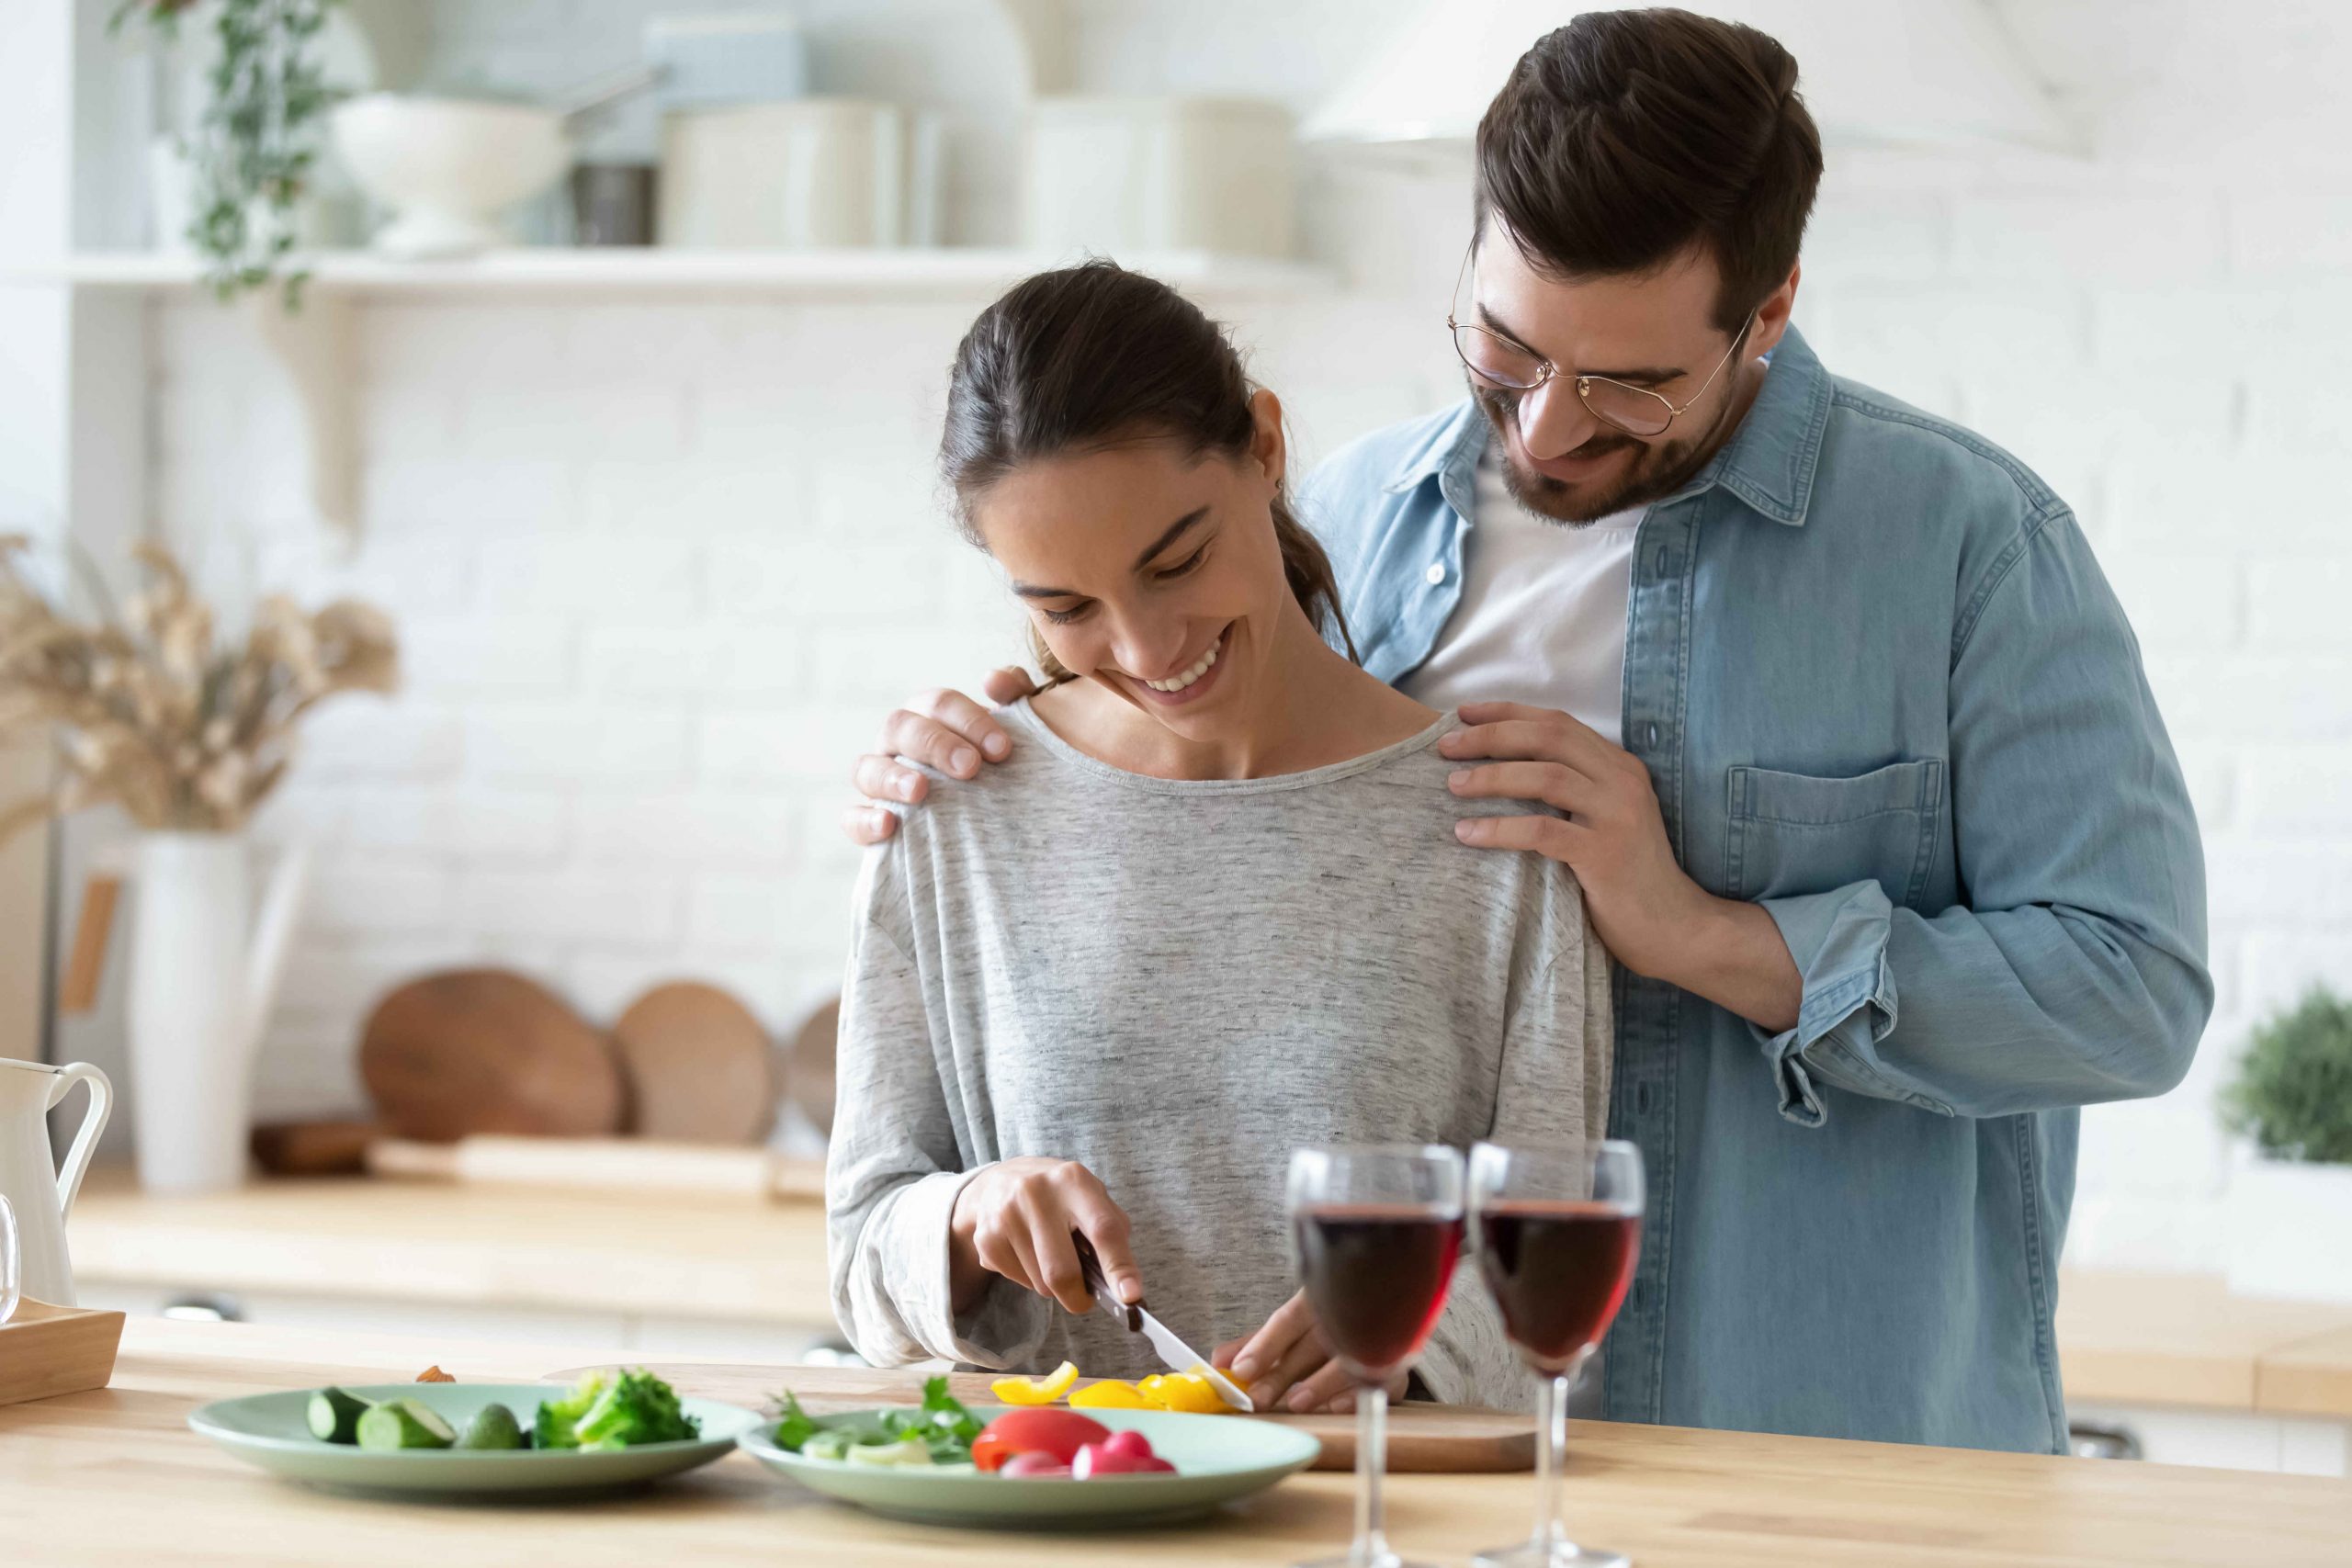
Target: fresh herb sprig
{"points": [[941, 1424]]}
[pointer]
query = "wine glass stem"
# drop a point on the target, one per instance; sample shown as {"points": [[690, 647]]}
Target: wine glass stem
{"points": [[1371, 1549], [1551, 1452]]}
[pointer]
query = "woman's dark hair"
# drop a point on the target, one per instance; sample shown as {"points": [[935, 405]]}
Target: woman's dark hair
{"points": [[1096, 356], [1626, 135]]}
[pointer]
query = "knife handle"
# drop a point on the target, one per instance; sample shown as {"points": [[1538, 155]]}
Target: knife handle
{"points": [[1091, 1267]]}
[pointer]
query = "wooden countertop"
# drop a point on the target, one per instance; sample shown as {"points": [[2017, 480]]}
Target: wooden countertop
{"points": [[742, 1260], [2183, 1339], [2176, 1339], [114, 1476]]}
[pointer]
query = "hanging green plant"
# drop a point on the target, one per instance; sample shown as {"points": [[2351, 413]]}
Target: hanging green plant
{"points": [[252, 145]]}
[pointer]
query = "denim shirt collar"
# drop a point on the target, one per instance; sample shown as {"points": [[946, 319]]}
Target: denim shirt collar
{"points": [[1768, 462]]}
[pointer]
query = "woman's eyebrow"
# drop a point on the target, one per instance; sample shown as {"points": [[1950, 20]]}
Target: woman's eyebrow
{"points": [[1649, 373], [1176, 531]]}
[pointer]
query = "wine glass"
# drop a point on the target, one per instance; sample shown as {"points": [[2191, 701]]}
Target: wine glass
{"points": [[1559, 1230], [1378, 1229]]}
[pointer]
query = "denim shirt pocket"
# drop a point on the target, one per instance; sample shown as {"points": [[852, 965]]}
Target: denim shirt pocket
{"points": [[1794, 833]]}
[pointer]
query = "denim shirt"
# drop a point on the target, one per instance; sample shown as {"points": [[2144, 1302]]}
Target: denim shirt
{"points": [[1882, 690]]}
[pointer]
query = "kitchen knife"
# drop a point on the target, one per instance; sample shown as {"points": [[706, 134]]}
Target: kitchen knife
{"points": [[1174, 1354]]}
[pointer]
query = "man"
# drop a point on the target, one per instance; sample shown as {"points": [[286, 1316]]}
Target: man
{"points": [[1849, 740]]}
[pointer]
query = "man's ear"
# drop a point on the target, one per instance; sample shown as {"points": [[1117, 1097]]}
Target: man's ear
{"points": [[1266, 443], [1772, 316]]}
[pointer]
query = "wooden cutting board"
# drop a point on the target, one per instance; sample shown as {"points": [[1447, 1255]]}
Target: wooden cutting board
{"points": [[698, 1064], [1429, 1439], [487, 1051], [620, 1164]]}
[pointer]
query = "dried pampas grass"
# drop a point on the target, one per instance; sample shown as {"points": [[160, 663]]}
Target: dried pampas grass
{"points": [[149, 714]]}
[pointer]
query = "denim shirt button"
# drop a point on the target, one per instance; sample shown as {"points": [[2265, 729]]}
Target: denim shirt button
{"points": [[1436, 573], [1652, 733]]}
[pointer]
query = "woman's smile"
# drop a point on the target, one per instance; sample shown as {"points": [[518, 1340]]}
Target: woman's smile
{"points": [[1190, 684]]}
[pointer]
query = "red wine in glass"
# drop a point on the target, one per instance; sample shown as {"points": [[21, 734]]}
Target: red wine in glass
{"points": [[1559, 1232], [1558, 1271], [1377, 1275], [1377, 1228]]}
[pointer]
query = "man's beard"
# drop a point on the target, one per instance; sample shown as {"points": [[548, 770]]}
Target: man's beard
{"points": [[1658, 469]]}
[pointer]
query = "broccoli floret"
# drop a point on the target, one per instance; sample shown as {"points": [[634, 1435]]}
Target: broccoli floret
{"points": [[633, 1408], [554, 1427], [614, 1409]]}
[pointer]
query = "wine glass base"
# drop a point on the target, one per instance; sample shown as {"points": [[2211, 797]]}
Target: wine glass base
{"points": [[1548, 1554], [1348, 1560]]}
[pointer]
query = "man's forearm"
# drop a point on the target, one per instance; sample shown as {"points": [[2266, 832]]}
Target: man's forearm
{"points": [[1732, 955]]}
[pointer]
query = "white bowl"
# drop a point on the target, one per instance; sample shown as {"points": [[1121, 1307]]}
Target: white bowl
{"points": [[446, 166]]}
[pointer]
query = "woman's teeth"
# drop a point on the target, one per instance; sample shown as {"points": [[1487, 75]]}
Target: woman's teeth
{"points": [[1179, 682]]}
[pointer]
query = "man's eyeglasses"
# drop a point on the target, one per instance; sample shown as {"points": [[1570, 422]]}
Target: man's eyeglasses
{"points": [[1507, 367]]}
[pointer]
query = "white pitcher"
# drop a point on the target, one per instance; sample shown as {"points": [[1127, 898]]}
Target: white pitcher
{"points": [[28, 1091]]}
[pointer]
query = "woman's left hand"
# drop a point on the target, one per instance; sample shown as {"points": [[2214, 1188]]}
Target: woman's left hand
{"points": [[1288, 1363]]}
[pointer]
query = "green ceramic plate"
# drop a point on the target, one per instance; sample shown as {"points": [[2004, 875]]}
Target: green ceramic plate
{"points": [[268, 1429], [1217, 1458]]}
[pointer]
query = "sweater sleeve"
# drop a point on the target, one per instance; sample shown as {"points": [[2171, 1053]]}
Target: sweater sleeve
{"points": [[1553, 1092], [894, 1168]]}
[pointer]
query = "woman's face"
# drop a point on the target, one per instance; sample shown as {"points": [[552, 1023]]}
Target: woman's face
{"points": [[1152, 571]]}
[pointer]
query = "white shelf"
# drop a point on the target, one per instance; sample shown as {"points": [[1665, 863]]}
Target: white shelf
{"points": [[945, 273], [314, 346]]}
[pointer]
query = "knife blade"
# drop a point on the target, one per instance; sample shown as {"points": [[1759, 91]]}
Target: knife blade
{"points": [[1174, 1353]]}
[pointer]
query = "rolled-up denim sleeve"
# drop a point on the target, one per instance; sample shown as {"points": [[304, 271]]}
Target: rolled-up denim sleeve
{"points": [[2075, 971]]}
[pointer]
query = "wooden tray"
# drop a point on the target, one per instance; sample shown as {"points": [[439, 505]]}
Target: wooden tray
{"points": [[47, 1350], [1430, 1439]]}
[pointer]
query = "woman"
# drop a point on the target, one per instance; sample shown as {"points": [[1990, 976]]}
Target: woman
{"points": [[1212, 910]]}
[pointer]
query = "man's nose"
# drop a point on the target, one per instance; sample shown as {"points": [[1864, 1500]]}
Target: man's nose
{"points": [[1552, 420]]}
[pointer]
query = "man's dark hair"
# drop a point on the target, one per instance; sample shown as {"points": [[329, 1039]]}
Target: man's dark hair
{"points": [[1626, 135]]}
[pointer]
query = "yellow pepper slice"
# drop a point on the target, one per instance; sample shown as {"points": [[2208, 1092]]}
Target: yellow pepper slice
{"points": [[1037, 1391], [1110, 1394], [1187, 1391]]}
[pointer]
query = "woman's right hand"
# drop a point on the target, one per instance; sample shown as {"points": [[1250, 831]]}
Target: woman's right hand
{"points": [[946, 729], [1015, 1217]]}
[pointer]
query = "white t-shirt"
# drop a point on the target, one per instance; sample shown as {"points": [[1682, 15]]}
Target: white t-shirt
{"points": [[1542, 618]]}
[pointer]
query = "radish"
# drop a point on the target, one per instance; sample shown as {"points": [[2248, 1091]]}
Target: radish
{"points": [[1101, 1459]]}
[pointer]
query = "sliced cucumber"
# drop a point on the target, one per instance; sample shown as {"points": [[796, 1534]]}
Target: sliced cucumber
{"points": [[907, 1450], [829, 1444], [404, 1424], [494, 1426], [334, 1415]]}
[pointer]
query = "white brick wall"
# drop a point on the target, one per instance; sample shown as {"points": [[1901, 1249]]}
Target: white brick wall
{"points": [[662, 567]]}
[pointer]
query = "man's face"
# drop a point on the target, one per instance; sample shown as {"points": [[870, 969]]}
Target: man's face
{"points": [[1655, 330]]}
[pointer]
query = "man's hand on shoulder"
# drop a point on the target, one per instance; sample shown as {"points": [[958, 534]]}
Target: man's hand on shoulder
{"points": [[1656, 921], [944, 729]]}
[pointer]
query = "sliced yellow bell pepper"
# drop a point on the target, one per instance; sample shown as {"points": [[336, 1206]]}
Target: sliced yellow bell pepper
{"points": [[1110, 1394], [1037, 1391], [1187, 1391]]}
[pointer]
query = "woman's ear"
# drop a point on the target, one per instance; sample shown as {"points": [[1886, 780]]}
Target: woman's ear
{"points": [[1266, 443]]}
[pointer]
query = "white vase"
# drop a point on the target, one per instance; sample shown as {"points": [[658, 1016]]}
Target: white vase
{"points": [[2290, 1230], [200, 989]]}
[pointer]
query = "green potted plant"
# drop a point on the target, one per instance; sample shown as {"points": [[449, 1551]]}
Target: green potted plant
{"points": [[249, 155], [2290, 1201]]}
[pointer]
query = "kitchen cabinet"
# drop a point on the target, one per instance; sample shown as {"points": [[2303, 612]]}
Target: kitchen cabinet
{"points": [[121, 1479]]}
